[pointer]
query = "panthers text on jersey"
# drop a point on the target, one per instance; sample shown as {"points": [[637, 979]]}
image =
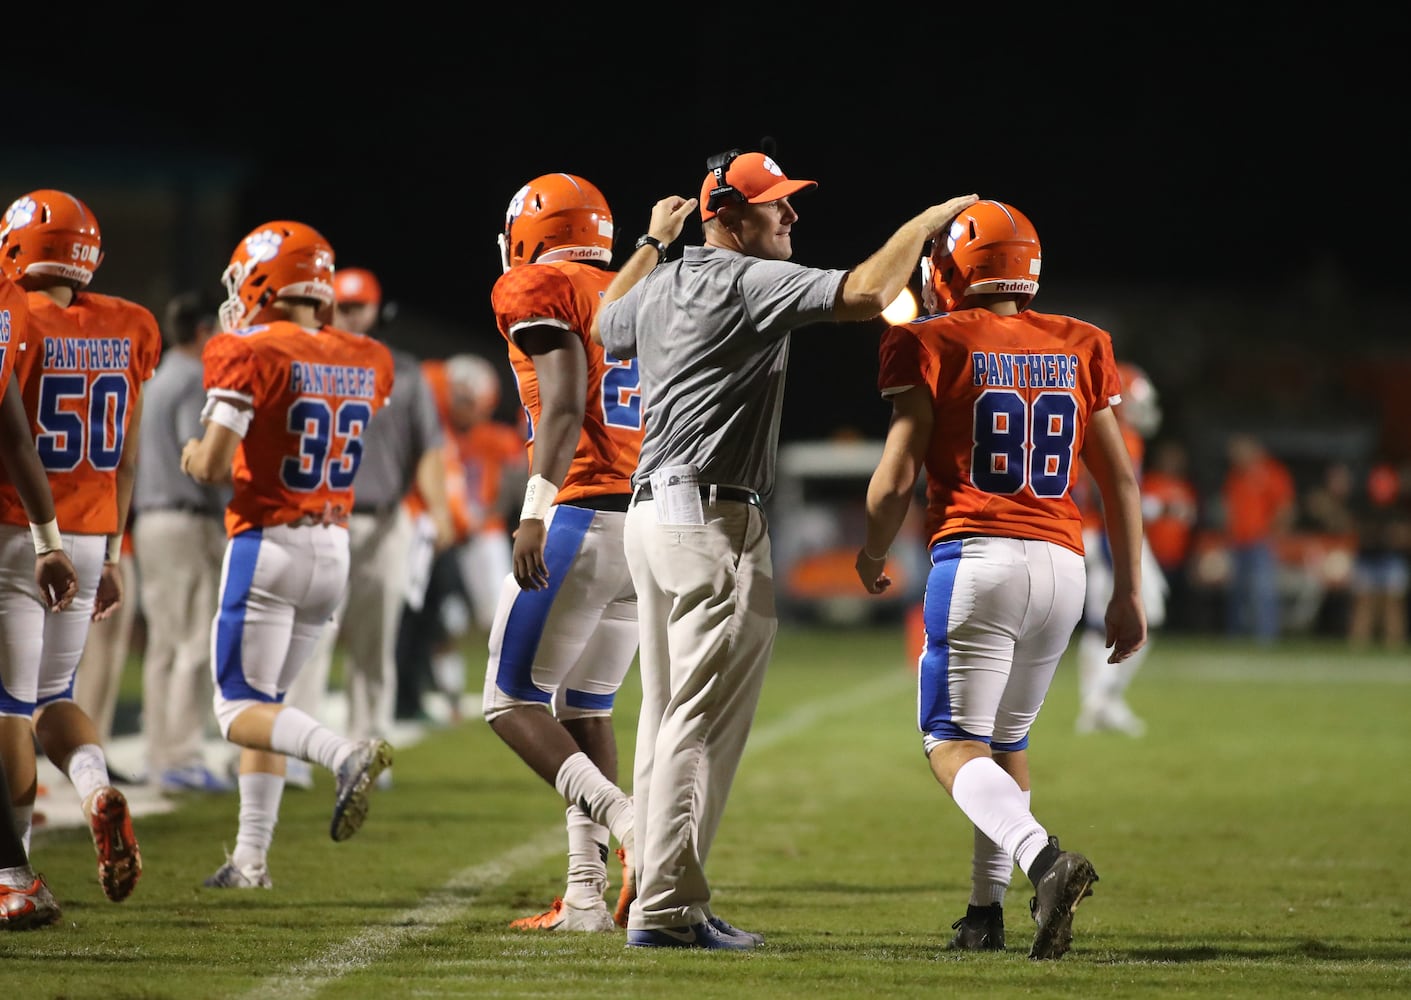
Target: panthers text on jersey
{"points": [[314, 392], [80, 367], [565, 294], [1012, 397]]}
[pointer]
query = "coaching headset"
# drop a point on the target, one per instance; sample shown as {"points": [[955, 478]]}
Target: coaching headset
{"points": [[722, 193]]}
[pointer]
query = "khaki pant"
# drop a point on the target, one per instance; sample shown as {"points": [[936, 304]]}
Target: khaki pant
{"points": [[178, 563], [705, 604]]}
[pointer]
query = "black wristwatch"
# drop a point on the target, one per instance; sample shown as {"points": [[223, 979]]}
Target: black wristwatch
{"points": [[648, 240]]}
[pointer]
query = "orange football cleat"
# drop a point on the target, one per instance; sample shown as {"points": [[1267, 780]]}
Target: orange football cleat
{"points": [[119, 859]]}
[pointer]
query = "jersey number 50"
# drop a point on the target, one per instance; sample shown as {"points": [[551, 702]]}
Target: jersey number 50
{"points": [[318, 463], [1007, 428], [68, 436]]}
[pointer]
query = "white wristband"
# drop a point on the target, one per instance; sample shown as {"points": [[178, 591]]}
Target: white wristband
{"points": [[114, 553], [46, 537], [538, 498]]}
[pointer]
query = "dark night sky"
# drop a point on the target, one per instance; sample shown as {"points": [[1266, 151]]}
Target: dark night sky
{"points": [[1200, 149]]}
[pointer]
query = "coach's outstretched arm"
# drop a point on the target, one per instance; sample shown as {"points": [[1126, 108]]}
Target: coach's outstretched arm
{"points": [[876, 282]]}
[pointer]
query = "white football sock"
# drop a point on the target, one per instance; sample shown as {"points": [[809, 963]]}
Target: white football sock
{"points": [[260, 794], [998, 807], [1096, 677], [991, 868], [87, 768], [298, 734], [587, 860], [581, 783]]}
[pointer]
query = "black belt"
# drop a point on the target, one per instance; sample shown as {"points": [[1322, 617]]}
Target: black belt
{"points": [[604, 501], [735, 494]]}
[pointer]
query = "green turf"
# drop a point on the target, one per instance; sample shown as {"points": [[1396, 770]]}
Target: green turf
{"points": [[1253, 844]]}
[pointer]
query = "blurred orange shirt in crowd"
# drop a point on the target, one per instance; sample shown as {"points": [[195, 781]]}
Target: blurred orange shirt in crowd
{"points": [[476, 458], [1169, 508], [1259, 497]]}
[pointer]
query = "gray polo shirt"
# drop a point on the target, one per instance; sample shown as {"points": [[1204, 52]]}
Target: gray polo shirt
{"points": [[711, 335], [171, 416], [398, 436]]}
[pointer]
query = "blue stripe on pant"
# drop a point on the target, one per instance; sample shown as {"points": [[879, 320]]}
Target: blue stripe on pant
{"points": [[525, 625], [243, 555], [933, 704]]}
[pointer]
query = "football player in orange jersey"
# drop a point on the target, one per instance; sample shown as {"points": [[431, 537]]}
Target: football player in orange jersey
{"points": [[81, 372], [402, 451], [1102, 685], [565, 631], [997, 403], [25, 899], [288, 398]]}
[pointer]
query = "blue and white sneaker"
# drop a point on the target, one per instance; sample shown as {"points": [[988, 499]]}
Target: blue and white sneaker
{"points": [[701, 935], [195, 778], [730, 931], [356, 778]]}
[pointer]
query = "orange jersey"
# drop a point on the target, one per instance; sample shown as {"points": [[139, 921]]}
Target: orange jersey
{"points": [[313, 393], [1012, 397], [483, 453], [1255, 496], [1169, 509], [14, 325], [80, 369], [566, 294]]}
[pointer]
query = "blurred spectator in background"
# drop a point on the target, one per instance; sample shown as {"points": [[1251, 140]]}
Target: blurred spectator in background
{"points": [[1372, 509], [1170, 510], [1102, 685], [179, 541], [401, 450], [493, 460], [484, 463], [1259, 500]]}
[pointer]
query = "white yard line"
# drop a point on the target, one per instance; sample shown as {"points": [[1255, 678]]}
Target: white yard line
{"points": [[447, 904]]}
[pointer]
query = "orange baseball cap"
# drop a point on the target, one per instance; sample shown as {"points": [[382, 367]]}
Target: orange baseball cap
{"points": [[356, 284], [755, 176]]}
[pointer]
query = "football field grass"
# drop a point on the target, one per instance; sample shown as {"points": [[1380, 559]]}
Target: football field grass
{"points": [[1253, 844]]}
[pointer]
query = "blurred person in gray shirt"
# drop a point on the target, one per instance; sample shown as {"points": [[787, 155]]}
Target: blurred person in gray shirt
{"points": [[401, 448], [178, 539]]}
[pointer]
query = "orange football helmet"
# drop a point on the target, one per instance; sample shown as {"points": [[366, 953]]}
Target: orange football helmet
{"points": [[357, 284], [556, 217], [1140, 408], [279, 260], [990, 248], [50, 232]]}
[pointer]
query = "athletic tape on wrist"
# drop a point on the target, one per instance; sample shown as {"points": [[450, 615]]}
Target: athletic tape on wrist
{"points": [[114, 553], [46, 537], [539, 496]]}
